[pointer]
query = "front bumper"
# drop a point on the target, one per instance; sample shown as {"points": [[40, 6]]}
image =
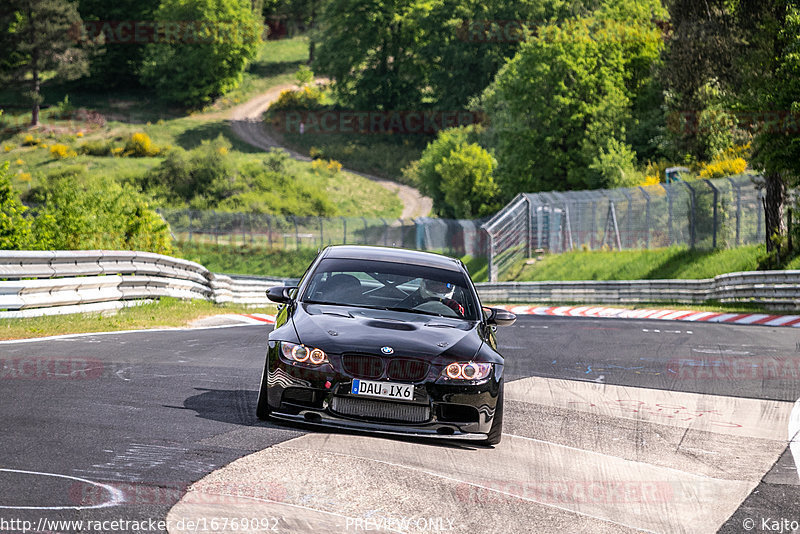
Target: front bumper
{"points": [[452, 410]]}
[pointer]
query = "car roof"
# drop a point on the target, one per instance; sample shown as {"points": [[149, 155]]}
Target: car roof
{"points": [[394, 255]]}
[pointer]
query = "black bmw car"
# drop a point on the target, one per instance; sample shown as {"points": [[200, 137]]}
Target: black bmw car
{"points": [[386, 340]]}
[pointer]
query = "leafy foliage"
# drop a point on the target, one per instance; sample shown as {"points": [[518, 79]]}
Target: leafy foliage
{"points": [[457, 175], [207, 177], [200, 66], [82, 213], [15, 228], [570, 132]]}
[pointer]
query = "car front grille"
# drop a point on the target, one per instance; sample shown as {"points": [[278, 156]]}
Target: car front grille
{"points": [[410, 370], [362, 365], [380, 410]]}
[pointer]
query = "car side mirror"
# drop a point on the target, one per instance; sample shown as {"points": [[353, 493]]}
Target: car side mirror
{"points": [[280, 294], [499, 317]]}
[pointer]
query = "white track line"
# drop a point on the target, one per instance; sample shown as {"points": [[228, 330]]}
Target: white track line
{"points": [[115, 494]]}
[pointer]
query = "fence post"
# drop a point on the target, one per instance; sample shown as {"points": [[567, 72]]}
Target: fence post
{"points": [[491, 267], [669, 212], [296, 232], [385, 232], [402, 233], [244, 234], [528, 228], [321, 233], [628, 218], [716, 198], [344, 231], [365, 229], [593, 227], [191, 212], [269, 230], [646, 215], [759, 210], [692, 220], [738, 210], [216, 227]]}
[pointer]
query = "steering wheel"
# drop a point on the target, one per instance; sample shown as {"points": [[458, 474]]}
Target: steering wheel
{"points": [[448, 306]]}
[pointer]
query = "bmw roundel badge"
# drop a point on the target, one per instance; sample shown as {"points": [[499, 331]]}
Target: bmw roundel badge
{"points": [[387, 350]]}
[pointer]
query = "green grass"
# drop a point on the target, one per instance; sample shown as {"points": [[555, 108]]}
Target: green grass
{"points": [[666, 263], [478, 268], [276, 64], [240, 259], [166, 312], [262, 261]]}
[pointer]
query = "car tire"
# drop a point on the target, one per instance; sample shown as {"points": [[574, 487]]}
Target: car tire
{"points": [[262, 406], [496, 432]]}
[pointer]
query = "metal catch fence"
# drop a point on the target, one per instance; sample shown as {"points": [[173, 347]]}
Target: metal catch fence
{"points": [[700, 214], [453, 237]]}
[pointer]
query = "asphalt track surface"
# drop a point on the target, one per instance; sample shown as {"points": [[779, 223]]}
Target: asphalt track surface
{"points": [[611, 426]]}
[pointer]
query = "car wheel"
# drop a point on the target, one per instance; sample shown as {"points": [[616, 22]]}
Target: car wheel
{"points": [[262, 407], [496, 432]]}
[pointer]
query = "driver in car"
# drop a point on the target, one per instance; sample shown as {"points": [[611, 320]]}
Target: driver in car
{"points": [[434, 290]]}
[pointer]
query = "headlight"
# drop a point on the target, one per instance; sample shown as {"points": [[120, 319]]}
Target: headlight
{"points": [[303, 354], [467, 371]]}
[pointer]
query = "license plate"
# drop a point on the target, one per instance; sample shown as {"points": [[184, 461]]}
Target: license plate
{"points": [[383, 389]]}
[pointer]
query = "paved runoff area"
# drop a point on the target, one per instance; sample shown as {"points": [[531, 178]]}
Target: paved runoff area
{"points": [[610, 426]]}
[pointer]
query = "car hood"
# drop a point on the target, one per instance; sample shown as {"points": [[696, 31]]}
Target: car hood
{"points": [[338, 329]]}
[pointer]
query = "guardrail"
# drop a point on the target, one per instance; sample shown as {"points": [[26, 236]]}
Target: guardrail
{"points": [[779, 290], [57, 282]]}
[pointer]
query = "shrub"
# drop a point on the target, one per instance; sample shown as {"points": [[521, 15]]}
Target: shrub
{"points": [[723, 167], [64, 110], [95, 148], [467, 183], [8, 148], [276, 160], [334, 166], [14, 226], [307, 99], [60, 151], [30, 140], [79, 212], [139, 145]]}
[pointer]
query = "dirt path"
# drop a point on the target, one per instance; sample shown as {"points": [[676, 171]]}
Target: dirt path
{"points": [[247, 125]]}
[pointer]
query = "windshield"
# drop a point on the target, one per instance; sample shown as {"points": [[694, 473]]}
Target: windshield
{"points": [[393, 286]]}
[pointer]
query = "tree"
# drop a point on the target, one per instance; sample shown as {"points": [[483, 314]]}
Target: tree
{"points": [[467, 183], [423, 172], [37, 35], [192, 63], [14, 227], [769, 59], [700, 54], [370, 49], [558, 110], [115, 62]]}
